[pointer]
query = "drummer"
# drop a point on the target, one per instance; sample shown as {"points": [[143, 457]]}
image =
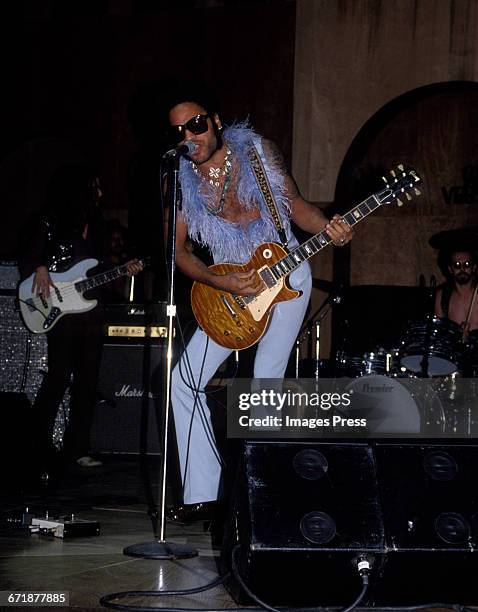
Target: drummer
{"points": [[456, 298]]}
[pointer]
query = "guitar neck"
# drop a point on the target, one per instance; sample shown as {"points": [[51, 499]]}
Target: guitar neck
{"points": [[313, 245], [101, 279]]}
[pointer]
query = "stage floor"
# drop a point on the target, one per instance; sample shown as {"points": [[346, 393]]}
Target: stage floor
{"points": [[91, 567]]}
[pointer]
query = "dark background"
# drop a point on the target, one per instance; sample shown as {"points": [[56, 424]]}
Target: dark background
{"points": [[75, 72]]}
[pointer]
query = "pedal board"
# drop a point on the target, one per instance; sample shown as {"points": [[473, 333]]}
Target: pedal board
{"points": [[65, 527]]}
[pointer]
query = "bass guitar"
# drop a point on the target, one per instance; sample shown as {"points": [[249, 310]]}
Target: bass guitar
{"points": [[40, 313], [237, 322]]}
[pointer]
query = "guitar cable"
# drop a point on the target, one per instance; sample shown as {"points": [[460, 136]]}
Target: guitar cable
{"points": [[32, 305], [197, 402]]}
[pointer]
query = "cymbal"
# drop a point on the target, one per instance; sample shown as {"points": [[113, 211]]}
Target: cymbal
{"points": [[323, 285], [463, 238]]}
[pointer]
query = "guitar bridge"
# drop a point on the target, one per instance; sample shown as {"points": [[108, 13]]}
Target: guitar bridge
{"points": [[51, 317], [240, 301]]}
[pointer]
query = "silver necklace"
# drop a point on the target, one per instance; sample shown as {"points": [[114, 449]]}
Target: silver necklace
{"points": [[213, 177]]}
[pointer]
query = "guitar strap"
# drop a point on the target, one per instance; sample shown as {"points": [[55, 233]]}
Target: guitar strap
{"points": [[264, 185]]}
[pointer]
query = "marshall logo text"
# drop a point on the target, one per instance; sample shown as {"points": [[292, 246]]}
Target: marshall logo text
{"points": [[129, 391]]}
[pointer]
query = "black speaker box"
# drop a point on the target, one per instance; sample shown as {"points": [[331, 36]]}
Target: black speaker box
{"points": [[429, 502], [129, 395], [304, 513]]}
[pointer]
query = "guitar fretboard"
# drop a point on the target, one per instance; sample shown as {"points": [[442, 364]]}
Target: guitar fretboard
{"points": [[101, 279], [311, 247]]}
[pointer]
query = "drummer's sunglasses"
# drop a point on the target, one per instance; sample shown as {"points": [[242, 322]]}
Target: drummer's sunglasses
{"points": [[458, 265], [196, 125]]}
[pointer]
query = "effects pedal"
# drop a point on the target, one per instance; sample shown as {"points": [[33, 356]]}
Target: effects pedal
{"points": [[65, 527]]}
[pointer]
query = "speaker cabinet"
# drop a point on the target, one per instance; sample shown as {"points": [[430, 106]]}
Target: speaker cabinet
{"points": [[129, 394], [429, 501], [305, 512]]}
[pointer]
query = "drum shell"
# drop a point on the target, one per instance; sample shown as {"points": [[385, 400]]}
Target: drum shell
{"points": [[397, 406], [379, 362], [445, 350]]}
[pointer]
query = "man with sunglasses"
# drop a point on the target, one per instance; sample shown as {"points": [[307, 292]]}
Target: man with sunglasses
{"points": [[454, 299], [223, 208]]}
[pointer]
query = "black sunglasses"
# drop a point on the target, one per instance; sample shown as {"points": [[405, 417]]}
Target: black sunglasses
{"points": [[196, 125], [457, 265]]}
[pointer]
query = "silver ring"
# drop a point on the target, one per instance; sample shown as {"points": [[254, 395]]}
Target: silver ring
{"points": [[342, 240]]}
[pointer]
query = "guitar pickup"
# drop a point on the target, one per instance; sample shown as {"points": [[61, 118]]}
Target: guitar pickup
{"points": [[58, 294], [267, 277]]}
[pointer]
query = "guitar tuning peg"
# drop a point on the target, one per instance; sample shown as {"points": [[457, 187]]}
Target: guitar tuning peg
{"points": [[417, 191], [408, 196], [384, 178], [392, 172], [400, 167], [399, 202]]}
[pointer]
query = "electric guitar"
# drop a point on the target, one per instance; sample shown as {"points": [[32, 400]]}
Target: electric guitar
{"points": [[40, 313], [237, 322]]}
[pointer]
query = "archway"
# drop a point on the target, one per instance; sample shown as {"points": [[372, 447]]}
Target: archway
{"points": [[435, 129]]}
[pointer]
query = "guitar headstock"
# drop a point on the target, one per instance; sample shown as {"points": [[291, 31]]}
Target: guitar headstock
{"points": [[400, 182]]}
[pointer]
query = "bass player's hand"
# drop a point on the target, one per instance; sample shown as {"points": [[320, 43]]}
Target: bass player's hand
{"points": [[134, 266], [42, 282]]}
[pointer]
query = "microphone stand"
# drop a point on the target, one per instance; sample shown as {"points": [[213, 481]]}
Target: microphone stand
{"points": [[428, 332], [308, 326], [161, 548]]}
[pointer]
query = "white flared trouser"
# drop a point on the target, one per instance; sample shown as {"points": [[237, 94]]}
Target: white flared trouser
{"points": [[200, 467]]}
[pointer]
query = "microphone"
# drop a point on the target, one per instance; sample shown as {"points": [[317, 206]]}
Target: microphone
{"points": [[187, 148]]}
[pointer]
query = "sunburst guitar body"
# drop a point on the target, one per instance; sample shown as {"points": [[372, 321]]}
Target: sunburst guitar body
{"points": [[237, 322]]}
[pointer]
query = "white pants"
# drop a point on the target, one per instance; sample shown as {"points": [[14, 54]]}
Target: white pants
{"points": [[200, 467]]}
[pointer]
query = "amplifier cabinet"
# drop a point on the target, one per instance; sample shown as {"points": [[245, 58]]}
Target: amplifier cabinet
{"points": [[128, 396]]}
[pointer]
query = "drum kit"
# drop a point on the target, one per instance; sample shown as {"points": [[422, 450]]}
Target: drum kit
{"points": [[437, 370], [432, 369], [429, 348]]}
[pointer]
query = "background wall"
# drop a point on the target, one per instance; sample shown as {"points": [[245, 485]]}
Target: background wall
{"points": [[71, 69], [378, 83], [367, 83]]}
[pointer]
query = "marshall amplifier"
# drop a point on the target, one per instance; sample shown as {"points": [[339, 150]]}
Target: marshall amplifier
{"points": [[129, 396]]}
